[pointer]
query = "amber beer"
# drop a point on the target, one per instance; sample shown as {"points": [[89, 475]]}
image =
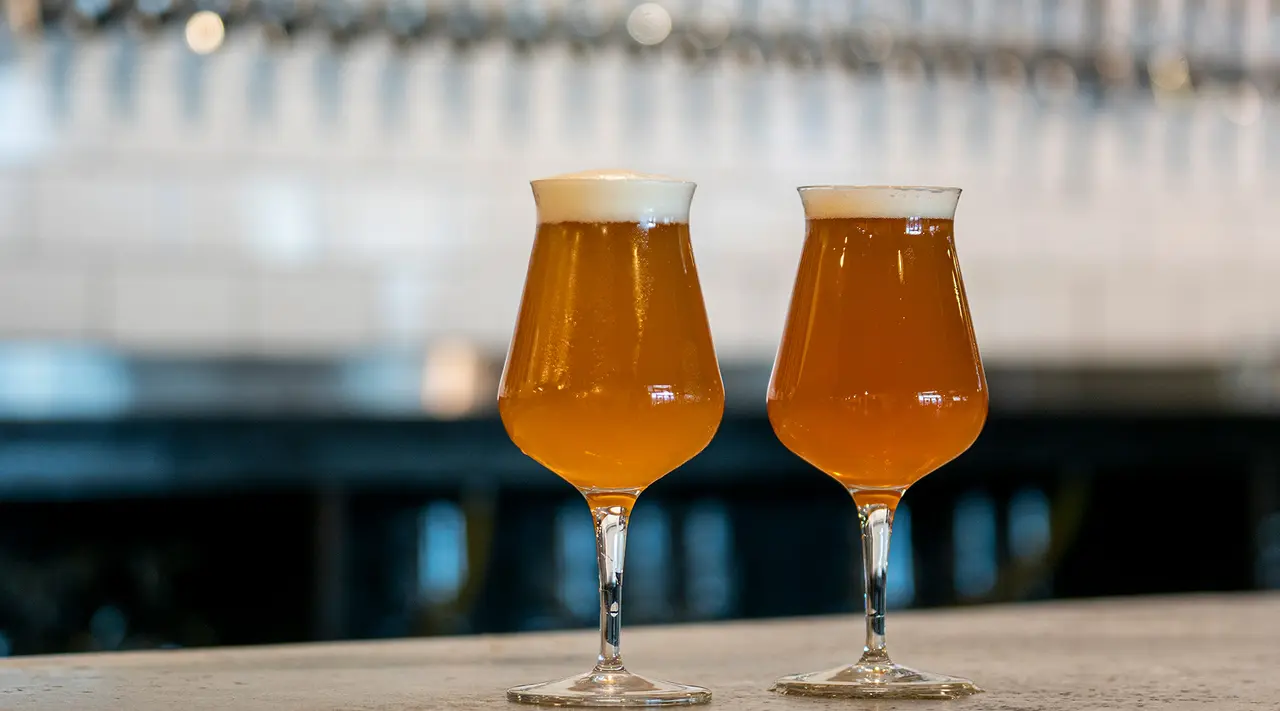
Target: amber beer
{"points": [[611, 380], [877, 383], [878, 380]]}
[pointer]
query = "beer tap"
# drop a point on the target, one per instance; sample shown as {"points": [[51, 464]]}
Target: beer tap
{"points": [[863, 40], [1055, 80], [705, 31], [749, 44], [589, 23], [406, 20], [150, 15], [92, 15], [344, 19], [283, 19], [527, 24], [467, 23], [801, 40], [955, 63]]}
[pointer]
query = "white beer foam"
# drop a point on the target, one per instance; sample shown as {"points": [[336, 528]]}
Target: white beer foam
{"points": [[834, 201], [612, 196]]}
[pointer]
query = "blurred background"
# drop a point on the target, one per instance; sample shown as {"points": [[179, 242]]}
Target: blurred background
{"points": [[260, 262]]}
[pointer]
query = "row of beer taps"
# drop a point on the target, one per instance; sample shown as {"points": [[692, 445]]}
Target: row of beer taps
{"points": [[1094, 42]]}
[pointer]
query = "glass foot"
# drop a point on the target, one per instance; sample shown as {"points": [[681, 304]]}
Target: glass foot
{"points": [[609, 688], [881, 680]]}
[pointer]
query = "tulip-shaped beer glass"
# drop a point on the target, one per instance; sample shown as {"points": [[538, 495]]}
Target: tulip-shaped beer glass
{"points": [[877, 383], [611, 381]]}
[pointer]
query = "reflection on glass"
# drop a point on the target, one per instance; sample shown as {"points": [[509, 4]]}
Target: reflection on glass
{"points": [[877, 383], [611, 381]]}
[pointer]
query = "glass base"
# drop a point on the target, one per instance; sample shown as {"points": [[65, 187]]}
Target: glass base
{"points": [[609, 689], [879, 680]]}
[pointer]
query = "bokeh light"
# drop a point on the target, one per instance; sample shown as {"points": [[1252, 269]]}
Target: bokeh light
{"points": [[649, 23], [205, 32]]}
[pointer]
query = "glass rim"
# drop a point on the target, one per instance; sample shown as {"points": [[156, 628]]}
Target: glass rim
{"points": [[932, 189], [609, 180]]}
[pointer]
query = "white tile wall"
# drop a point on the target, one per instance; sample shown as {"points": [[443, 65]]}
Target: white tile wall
{"points": [[314, 311], [46, 299], [1139, 231], [178, 308], [16, 227]]}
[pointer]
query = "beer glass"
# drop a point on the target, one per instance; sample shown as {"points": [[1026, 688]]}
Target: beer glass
{"points": [[611, 380], [877, 382]]}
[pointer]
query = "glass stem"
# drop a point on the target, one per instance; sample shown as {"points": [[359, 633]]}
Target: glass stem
{"points": [[877, 526], [611, 549]]}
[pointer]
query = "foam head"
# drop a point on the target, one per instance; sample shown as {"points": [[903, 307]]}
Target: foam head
{"points": [[612, 196], [891, 201]]}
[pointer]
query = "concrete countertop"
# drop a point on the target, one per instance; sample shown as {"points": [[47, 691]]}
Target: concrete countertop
{"points": [[1218, 652]]}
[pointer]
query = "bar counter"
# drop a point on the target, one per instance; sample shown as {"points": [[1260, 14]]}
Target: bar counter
{"points": [[1209, 651]]}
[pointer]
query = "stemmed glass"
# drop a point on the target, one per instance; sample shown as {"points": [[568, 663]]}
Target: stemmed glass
{"points": [[878, 382], [611, 380]]}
